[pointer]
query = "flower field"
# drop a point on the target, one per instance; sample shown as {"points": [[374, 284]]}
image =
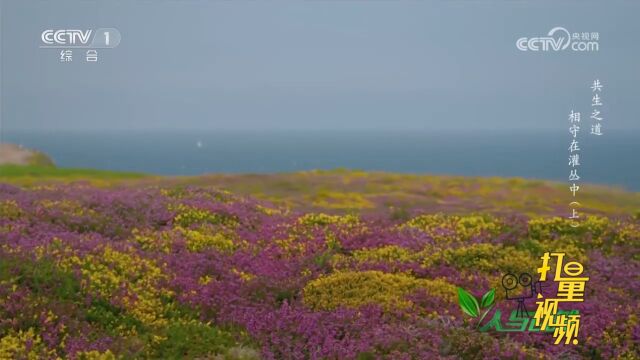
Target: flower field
{"points": [[330, 266]]}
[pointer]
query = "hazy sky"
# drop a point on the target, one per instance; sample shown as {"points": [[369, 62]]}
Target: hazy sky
{"points": [[317, 65]]}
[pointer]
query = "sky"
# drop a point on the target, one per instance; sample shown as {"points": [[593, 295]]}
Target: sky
{"points": [[334, 65]]}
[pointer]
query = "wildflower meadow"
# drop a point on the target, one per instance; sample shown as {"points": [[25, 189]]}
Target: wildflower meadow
{"points": [[331, 265]]}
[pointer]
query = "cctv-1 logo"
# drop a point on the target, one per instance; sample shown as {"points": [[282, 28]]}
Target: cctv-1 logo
{"points": [[66, 37], [88, 38]]}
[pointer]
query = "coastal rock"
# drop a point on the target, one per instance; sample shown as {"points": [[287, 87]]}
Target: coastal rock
{"points": [[11, 154]]}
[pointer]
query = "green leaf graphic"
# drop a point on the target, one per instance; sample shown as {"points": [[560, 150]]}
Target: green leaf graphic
{"points": [[468, 303], [488, 298]]}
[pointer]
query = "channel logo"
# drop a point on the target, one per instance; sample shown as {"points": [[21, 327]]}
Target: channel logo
{"points": [[66, 37], [85, 38], [560, 39]]}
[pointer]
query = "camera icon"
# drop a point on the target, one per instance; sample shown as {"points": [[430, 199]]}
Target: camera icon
{"points": [[520, 288]]}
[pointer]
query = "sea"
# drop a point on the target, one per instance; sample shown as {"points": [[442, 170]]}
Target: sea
{"points": [[610, 159]]}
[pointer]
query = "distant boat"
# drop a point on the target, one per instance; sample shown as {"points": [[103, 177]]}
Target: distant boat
{"points": [[199, 144]]}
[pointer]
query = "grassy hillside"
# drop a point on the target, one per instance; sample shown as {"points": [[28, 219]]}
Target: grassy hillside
{"points": [[29, 175], [343, 191]]}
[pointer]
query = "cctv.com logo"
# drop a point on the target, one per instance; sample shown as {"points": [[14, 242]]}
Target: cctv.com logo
{"points": [[560, 39]]}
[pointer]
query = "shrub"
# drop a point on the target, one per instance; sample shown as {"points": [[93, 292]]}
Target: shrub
{"points": [[354, 289]]}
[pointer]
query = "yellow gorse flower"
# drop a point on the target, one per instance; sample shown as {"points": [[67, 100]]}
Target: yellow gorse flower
{"points": [[198, 240], [452, 228], [353, 289], [10, 210], [23, 345], [105, 274], [96, 355], [187, 216]]}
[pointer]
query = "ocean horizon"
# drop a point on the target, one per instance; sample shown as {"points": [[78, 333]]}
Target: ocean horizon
{"points": [[542, 154]]}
